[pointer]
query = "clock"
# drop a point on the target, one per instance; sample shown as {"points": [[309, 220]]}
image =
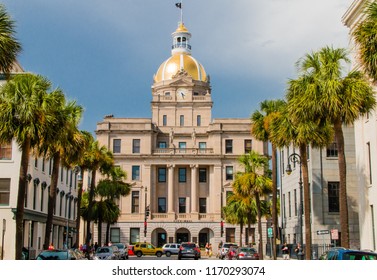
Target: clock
{"points": [[181, 93]]}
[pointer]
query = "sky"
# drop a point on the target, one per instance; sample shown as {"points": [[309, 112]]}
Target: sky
{"points": [[103, 54]]}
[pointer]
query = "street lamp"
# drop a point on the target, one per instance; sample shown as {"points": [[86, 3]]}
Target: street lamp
{"points": [[2, 240], [68, 196], [78, 173], [296, 159]]}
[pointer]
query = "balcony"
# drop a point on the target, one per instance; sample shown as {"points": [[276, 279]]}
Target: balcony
{"points": [[182, 151]]}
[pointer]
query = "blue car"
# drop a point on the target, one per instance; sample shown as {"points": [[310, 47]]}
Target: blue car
{"points": [[348, 254]]}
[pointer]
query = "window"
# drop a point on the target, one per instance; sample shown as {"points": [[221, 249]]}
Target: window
{"points": [[162, 145], [289, 205], [116, 146], [228, 146], [135, 172], [182, 175], [6, 151], [181, 120], [202, 145], [61, 173], [369, 162], [332, 150], [136, 146], [295, 201], [229, 172], [115, 235], [182, 147], [36, 162], [248, 143], [4, 191], [135, 202], [43, 165], [333, 192], [202, 205], [134, 235], [164, 120], [162, 174], [198, 120], [50, 164], [162, 205], [230, 235], [202, 175], [182, 205]]}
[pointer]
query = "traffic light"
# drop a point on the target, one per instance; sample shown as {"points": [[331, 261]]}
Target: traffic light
{"points": [[147, 211], [222, 228]]}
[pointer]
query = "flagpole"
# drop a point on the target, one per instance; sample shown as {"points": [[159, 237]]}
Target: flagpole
{"points": [[182, 11]]}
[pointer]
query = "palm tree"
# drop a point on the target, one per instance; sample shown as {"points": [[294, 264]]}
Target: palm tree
{"points": [[9, 46], [62, 141], [25, 115], [253, 183], [365, 38], [340, 100], [261, 123]]}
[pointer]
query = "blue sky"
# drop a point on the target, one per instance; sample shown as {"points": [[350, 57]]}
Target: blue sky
{"points": [[104, 53]]}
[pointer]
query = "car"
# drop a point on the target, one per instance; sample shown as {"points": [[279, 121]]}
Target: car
{"points": [[107, 253], [145, 248], [348, 254], [225, 248], [246, 253], [123, 250], [188, 250], [57, 254], [171, 249]]}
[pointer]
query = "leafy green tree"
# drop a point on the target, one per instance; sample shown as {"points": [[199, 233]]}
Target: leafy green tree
{"points": [[324, 93], [9, 45], [25, 116], [261, 123], [254, 183]]}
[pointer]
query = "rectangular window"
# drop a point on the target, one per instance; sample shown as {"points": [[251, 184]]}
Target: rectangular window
{"points": [[182, 205], [228, 146], [202, 205], [202, 145], [135, 202], [284, 210], [116, 146], [369, 163], [230, 235], [43, 164], [289, 205], [182, 175], [162, 205], [182, 147], [161, 174], [181, 120], [202, 175], [134, 235], [198, 120], [248, 147], [332, 150], [136, 146], [333, 191], [135, 172], [229, 172], [162, 145], [61, 173], [4, 191], [51, 162], [6, 151], [36, 162], [164, 120], [115, 235], [295, 201]]}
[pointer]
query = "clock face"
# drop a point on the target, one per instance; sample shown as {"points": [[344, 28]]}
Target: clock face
{"points": [[181, 93]]}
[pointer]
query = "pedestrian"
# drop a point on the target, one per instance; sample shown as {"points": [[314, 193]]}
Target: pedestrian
{"points": [[299, 252], [210, 250], [51, 246], [285, 251], [231, 253], [207, 249]]}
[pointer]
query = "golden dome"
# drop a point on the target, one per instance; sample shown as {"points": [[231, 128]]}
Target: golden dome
{"points": [[179, 62]]}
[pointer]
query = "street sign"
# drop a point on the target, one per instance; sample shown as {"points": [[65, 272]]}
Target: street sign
{"points": [[269, 232], [324, 231]]}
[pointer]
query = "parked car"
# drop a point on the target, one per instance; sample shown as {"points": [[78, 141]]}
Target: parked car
{"points": [[56, 254], [145, 248], [107, 253], [246, 253], [225, 248], [123, 250], [188, 250], [348, 254], [171, 249]]}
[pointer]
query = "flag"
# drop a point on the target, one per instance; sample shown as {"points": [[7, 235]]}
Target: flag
{"points": [[178, 5]]}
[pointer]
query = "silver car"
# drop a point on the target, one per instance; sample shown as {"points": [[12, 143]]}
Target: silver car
{"points": [[123, 250], [171, 249], [107, 253]]}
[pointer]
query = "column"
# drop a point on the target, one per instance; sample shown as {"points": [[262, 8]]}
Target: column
{"points": [[194, 188], [170, 168]]}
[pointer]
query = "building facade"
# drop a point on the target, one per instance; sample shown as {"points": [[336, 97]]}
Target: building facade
{"points": [[366, 150], [181, 162]]}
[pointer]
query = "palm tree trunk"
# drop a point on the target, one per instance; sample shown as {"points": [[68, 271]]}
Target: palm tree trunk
{"points": [[241, 232], [305, 177], [21, 198], [259, 213], [248, 227], [108, 232], [78, 218], [90, 209], [51, 200], [343, 204], [274, 201], [99, 236]]}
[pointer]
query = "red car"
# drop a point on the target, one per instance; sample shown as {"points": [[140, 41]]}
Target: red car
{"points": [[247, 253]]}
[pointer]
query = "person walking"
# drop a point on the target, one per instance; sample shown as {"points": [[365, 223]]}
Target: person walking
{"points": [[207, 249], [299, 252], [285, 251]]}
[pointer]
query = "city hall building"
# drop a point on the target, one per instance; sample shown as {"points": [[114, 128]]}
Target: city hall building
{"points": [[180, 163]]}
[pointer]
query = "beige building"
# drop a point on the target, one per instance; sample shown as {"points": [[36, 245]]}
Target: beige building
{"points": [[366, 151], [180, 162]]}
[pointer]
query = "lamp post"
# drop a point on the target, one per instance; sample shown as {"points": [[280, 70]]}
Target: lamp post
{"points": [[296, 159], [68, 195], [2, 240]]}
